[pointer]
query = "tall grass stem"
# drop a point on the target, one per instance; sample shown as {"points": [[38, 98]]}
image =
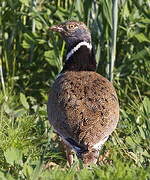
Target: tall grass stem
{"points": [[114, 36], [2, 79]]}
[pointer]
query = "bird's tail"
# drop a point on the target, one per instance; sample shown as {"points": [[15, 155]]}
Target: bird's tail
{"points": [[87, 155]]}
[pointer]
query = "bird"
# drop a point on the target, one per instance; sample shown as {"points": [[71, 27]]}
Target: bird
{"points": [[83, 106]]}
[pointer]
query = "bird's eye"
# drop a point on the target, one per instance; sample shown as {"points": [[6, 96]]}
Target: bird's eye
{"points": [[71, 26]]}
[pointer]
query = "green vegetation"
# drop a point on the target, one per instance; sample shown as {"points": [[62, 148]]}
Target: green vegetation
{"points": [[31, 57]]}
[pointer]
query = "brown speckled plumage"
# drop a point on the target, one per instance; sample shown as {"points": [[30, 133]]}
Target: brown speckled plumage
{"points": [[86, 104], [83, 108]]}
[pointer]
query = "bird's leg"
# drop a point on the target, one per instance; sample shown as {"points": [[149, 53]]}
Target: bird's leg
{"points": [[69, 154]]}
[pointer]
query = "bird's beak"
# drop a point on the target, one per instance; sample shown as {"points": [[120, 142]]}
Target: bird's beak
{"points": [[56, 28]]}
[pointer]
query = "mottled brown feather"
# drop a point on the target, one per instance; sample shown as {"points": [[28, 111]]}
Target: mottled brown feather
{"points": [[83, 105]]}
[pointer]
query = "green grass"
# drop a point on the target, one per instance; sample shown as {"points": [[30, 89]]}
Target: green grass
{"points": [[31, 58]]}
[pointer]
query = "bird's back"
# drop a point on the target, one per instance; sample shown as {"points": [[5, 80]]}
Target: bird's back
{"points": [[83, 106]]}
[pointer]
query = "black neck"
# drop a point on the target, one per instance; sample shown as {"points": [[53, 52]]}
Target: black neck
{"points": [[81, 60]]}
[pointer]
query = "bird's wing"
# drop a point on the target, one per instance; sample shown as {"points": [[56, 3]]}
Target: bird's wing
{"points": [[83, 107]]}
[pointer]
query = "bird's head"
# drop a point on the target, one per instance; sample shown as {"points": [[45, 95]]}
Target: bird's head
{"points": [[73, 32]]}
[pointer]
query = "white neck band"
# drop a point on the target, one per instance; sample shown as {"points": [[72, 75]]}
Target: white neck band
{"points": [[84, 43]]}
